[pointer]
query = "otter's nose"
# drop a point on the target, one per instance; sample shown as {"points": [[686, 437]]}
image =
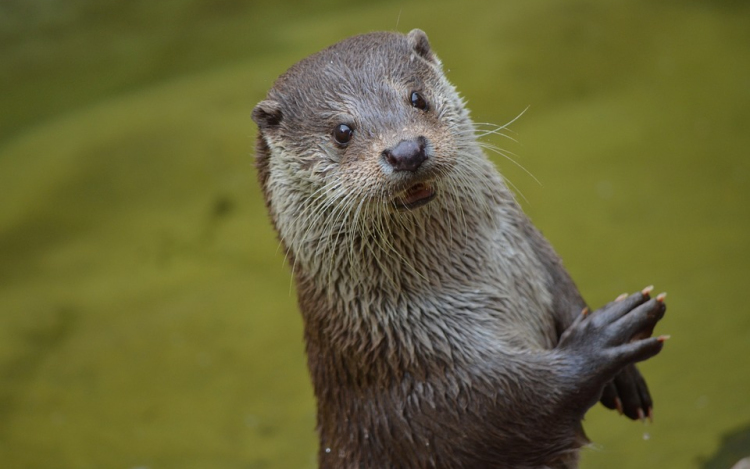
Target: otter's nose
{"points": [[408, 155]]}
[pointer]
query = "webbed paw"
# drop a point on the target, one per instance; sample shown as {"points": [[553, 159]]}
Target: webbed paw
{"points": [[608, 342]]}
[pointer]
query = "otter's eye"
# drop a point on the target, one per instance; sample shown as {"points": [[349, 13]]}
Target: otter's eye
{"points": [[418, 101], [342, 134]]}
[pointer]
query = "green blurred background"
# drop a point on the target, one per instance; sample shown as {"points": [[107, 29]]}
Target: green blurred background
{"points": [[147, 319]]}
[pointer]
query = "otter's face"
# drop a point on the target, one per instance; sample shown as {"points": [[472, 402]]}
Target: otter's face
{"points": [[364, 137], [371, 119]]}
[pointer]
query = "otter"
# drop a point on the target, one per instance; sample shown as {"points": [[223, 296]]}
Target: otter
{"points": [[441, 328]]}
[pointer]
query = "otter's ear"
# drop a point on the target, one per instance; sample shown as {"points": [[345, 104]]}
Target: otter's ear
{"points": [[267, 114], [421, 45]]}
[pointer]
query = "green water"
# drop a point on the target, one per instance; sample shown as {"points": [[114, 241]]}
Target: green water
{"points": [[146, 316]]}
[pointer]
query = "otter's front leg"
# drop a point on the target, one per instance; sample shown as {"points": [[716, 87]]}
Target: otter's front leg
{"points": [[611, 340], [627, 392], [545, 395]]}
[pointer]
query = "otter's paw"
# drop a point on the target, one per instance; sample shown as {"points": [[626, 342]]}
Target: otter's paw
{"points": [[628, 394], [608, 341]]}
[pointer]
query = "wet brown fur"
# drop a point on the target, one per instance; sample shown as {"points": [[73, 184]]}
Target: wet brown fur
{"points": [[431, 334]]}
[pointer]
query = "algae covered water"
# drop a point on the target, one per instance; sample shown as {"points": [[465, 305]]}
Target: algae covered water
{"points": [[147, 318]]}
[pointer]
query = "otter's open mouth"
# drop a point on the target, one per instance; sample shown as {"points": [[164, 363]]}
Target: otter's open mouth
{"points": [[415, 196]]}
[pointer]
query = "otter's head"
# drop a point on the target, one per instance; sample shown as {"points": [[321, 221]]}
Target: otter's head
{"points": [[362, 135]]}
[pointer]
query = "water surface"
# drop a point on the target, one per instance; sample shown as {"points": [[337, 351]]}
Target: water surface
{"points": [[146, 315]]}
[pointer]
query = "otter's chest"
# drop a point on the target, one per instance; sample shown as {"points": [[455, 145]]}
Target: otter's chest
{"points": [[508, 311], [504, 287]]}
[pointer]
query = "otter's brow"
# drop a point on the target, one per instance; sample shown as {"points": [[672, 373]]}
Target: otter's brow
{"points": [[405, 84], [330, 119]]}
